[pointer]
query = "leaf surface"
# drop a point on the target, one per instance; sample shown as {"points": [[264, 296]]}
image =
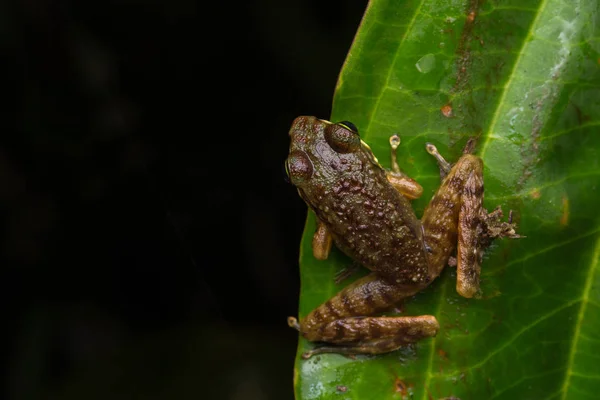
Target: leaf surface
{"points": [[522, 76]]}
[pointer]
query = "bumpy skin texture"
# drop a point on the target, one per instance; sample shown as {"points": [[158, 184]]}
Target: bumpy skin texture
{"points": [[368, 219], [365, 210]]}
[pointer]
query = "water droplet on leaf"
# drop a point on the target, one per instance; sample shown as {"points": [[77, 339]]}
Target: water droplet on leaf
{"points": [[426, 63]]}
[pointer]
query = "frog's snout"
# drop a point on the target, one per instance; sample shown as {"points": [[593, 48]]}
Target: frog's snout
{"points": [[300, 124]]}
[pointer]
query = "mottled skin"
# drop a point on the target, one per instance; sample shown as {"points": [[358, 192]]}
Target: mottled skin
{"points": [[366, 211]]}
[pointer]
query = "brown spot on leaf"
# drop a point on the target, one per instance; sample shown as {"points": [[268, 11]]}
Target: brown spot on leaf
{"points": [[341, 388], [443, 354], [535, 194], [471, 16], [400, 387], [447, 110]]}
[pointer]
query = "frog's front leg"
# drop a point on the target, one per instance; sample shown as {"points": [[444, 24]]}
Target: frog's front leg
{"points": [[407, 186], [321, 243], [341, 320]]}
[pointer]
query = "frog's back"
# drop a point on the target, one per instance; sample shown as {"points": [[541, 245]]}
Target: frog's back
{"points": [[372, 222], [342, 182]]}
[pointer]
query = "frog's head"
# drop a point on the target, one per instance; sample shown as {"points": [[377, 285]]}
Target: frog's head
{"points": [[323, 152]]}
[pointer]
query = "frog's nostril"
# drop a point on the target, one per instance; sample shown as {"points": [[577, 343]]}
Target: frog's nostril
{"points": [[299, 124]]}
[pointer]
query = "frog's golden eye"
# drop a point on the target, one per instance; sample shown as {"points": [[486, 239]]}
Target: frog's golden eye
{"points": [[298, 167], [342, 137]]}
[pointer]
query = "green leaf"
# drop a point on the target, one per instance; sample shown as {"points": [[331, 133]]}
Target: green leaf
{"points": [[523, 76]]}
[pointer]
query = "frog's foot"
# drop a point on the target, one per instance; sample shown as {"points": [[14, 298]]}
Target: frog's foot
{"points": [[494, 227], [374, 335], [346, 273]]}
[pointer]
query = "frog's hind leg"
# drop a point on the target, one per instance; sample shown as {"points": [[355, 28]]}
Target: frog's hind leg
{"points": [[469, 251], [374, 335], [339, 320], [455, 215]]}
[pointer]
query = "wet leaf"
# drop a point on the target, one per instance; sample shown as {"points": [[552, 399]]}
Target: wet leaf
{"points": [[522, 76]]}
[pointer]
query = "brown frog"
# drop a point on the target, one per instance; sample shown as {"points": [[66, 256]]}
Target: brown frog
{"points": [[365, 211]]}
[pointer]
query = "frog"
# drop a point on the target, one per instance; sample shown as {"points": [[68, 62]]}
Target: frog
{"points": [[365, 210]]}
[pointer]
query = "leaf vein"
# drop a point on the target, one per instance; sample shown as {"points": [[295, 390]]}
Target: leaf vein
{"points": [[545, 250], [521, 332], [526, 378], [577, 331]]}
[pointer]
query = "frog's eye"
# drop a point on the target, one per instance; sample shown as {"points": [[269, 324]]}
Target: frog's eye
{"points": [[349, 125], [298, 167], [342, 137]]}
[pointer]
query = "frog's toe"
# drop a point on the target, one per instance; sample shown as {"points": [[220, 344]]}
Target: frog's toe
{"points": [[293, 323], [307, 354]]}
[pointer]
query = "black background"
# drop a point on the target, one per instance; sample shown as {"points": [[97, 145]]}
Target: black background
{"points": [[149, 242]]}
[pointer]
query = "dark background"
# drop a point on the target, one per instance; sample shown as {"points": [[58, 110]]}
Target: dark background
{"points": [[149, 242]]}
